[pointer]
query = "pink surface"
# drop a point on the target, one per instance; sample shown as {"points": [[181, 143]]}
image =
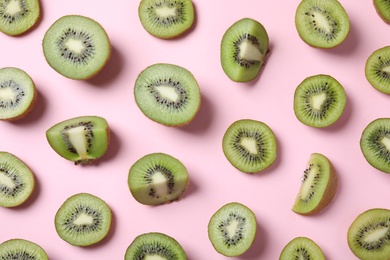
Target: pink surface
{"points": [[213, 181]]}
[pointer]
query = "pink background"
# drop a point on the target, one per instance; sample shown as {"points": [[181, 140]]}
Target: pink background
{"points": [[213, 181]]}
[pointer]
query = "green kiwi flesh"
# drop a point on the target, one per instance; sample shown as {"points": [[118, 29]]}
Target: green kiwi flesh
{"points": [[157, 178], [167, 94], [244, 48], [369, 235], [156, 246], [232, 229], [319, 101], [18, 16], [249, 145], [76, 46], [383, 9], [21, 249], [80, 139], [377, 69], [166, 18], [322, 24], [302, 248], [83, 220]]}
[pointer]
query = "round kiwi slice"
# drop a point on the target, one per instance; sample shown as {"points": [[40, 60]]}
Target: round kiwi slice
{"points": [[369, 235], [76, 46], [167, 94], [243, 50], [249, 145], [156, 246], [232, 229], [166, 18], [21, 249], [383, 9], [322, 24], [83, 220], [319, 101], [302, 248], [377, 69], [157, 178]]}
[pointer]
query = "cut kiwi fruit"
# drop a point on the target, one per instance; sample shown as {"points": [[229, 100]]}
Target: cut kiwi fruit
{"points": [[166, 18], [244, 48], [17, 181], [318, 186], [157, 178], [369, 235], [167, 94], [302, 248], [18, 94], [322, 24], [83, 220], [76, 46], [319, 101], [81, 139], [377, 69], [155, 245], [383, 9], [21, 249], [232, 229], [249, 145], [18, 16]]}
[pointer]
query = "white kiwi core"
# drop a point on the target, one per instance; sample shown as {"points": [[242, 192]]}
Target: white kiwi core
{"points": [[7, 94], [318, 100], [83, 219], [386, 142], [168, 93], [322, 22], [75, 45], [249, 144], [154, 257], [165, 11], [232, 228], [376, 235], [250, 52], [6, 180], [159, 183], [308, 182], [77, 138], [13, 7]]}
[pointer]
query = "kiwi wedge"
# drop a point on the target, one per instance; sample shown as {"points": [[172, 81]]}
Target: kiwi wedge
{"points": [[157, 178], [21, 249], [369, 235], [167, 94], [81, 140], [377, 69], [322, 24], [156, 246], [318, 186], [76, 46], [83, 220], [166, 18], [319, 101], [383, 9], [302, 248], [249, 145], [232, 229], [244, 48]]}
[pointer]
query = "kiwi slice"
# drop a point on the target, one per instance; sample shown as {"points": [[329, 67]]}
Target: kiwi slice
{"points": [[249, 145], [369, 235], [302, 248], [377, 69], [17, 93], [76, 46], [21, 249], [167, 94], [319, 101], [80, 139], [156, 246], [232, 229], [83, 220], [243, 50], [383, 9], [166, 18], [322, 24], [157, 178], [318, 186]]}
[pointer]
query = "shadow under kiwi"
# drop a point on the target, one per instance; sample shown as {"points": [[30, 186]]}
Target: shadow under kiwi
{"points": [[258, 245]]}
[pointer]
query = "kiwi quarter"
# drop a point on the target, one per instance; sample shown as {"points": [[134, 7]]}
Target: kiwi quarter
{"points": [[319, 101], [244, 48], [76, 47], [80, 139], [167, 94], [322, 24], [157, 178], [383, 9], [21, 249], [369, 235], [302, 248], [377, 69]]}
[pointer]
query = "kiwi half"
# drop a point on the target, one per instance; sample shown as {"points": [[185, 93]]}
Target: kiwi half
{"points": [[369, 235], [76, 46], [21, 249], [80, 139], [318, 186], [244, 48], [377, 69], [322, 24], [319, 101], [302, 248], [383, 9], [167, 94], [157, 178], [156, 246]]}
